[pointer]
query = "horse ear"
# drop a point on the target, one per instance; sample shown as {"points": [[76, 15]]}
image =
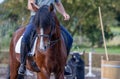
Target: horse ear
{"points": [[51, 8]]}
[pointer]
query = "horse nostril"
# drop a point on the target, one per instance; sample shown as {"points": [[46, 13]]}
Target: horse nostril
{"points": [[45, 47], [42, 50]]}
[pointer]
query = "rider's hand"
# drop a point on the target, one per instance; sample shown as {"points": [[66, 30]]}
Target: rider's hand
{"points": [[32, 6], [66, 16], [35, 8]]}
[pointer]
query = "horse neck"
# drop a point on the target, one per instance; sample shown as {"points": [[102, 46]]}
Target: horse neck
{"points": [[57, 35]]}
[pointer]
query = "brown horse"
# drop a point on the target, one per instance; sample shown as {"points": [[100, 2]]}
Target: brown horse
{"points": [[50, 51]]}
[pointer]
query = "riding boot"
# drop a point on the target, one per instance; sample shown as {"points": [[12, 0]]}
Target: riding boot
{"points": [[67, 70], [23, 53]]}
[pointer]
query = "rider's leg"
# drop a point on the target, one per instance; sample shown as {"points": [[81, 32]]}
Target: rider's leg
{"points": [[25, 47], [23, 53], [69, 40]]}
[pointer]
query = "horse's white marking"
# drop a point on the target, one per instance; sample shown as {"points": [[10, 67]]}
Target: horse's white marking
{"points": [[41, 40]]}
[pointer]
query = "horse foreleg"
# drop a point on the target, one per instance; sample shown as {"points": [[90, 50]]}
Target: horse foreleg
{"points": [[42, 75], [14, 70], [59, 76]]}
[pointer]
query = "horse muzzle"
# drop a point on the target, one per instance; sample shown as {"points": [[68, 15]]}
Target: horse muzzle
{"points": [[43, 49]]}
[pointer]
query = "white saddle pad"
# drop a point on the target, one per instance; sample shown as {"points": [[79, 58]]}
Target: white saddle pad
{"points": [[18, 45]]}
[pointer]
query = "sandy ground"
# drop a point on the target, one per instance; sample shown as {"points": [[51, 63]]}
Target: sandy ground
{"points": [[95, 71]]}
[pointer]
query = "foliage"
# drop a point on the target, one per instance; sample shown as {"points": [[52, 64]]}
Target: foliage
{"points": [[14, 10], [6, 30], [84, 17]]}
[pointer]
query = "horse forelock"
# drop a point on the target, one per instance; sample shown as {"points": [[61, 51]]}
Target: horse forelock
{"points": [[43, 18]]}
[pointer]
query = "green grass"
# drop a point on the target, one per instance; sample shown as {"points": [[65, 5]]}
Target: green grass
{"points": [[110, 50], [113, 45], [115, 29]]}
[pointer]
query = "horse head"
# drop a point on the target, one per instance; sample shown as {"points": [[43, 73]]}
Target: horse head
{"points": [[45, 23]]}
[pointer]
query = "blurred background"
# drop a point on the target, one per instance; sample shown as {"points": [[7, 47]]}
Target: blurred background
{"points": [[84, 24]]}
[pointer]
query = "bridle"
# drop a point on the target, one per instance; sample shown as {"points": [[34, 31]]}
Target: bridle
{"points": [[51, 24], [50, 42]]}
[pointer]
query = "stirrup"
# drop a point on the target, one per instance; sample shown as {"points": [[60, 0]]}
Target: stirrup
{"points": [[67, 70], [22, 69]]}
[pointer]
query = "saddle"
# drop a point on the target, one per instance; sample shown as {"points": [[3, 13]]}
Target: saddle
{"points": [[31, 47]]}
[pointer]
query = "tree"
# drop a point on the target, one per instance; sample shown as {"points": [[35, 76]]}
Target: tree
{"points": [[14, 10], [84, 16]]}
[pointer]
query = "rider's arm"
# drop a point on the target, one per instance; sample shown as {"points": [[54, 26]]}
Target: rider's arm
{"points": [[61, 10], [32, 6]]}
